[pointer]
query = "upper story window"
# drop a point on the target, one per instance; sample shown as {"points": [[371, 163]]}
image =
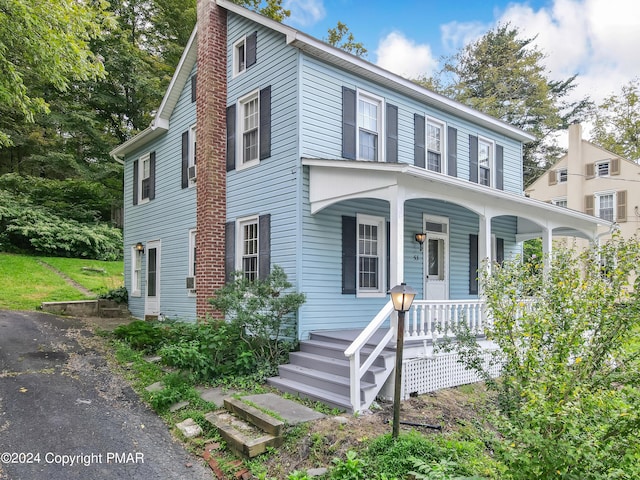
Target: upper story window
{"points": [[560, 202], [435, 145], [369, 127], [249, 128], [144, 174], [562, 175], [605, 206], [485, 162], [244, 53], [370, 254], [602, 169]]}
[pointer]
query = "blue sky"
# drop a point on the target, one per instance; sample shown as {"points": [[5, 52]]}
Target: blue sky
{"points": [[596, 39]]}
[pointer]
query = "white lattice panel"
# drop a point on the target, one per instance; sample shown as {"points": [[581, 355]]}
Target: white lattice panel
{"points": [[422, 375]]}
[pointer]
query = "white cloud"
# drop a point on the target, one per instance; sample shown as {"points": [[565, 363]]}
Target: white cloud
{"points": [[456, 35], [405, 57], [305, 13]]}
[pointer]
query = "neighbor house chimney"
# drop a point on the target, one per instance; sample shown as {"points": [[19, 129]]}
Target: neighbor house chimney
{"points": [[575, 169], [211, 193]]}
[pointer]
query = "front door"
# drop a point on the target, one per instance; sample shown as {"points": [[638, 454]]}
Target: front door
{"points": [[436, 259], [152, 279]]}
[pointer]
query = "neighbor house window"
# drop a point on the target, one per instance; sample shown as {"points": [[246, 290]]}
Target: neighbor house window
{"points": [[562, 175], [136, 272], [605, 206], [369, 127], [239, 56], [435, 144], [485, 162], [602, 169], [192, 259], [248, 248], [249, 129], [370, 254], [560, 202]]}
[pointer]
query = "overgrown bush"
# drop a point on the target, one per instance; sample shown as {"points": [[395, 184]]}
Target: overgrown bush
{"points": [[569, 389], [119, 295]]}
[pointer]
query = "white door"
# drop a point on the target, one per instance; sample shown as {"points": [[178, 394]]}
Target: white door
{"points": [[152, 280], [436, 266]]}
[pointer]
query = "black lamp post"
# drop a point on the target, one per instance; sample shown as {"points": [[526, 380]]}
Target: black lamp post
{"points": [[402, 297]]}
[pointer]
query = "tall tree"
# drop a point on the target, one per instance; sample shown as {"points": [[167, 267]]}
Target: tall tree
{"points": [[341, 37], [44, 43], [616, 122], [503, 75]]}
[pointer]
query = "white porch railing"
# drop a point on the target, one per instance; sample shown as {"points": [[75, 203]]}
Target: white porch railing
{"points": [[427, 320]]}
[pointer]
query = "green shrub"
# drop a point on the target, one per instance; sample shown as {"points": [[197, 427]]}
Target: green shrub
{"points": [[118, 295], [141, 335]]}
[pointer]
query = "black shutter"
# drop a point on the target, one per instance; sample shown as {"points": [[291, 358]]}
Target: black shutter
{"points": [[348, 123], [473, 159], [392, 133], [251, 53], [265, 123], [499, 250], [193, 87], [264, 246], [419, 151], [473, 263], [452, 151], [500, 167], [185, 159], [152, 175], [229, 251], [349, 252], [231, 137], [135, 182]]}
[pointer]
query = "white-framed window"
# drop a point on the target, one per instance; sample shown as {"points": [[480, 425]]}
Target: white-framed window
{"points": [[192, 260], [371, 251], [247, 248], [485, 162], [562, 175], [249, 128], [605, 206], [144, 178], [192, 156], [239, 56], [370, 121], [136, 272], [602, 168], [560, 202], [435, 145]]}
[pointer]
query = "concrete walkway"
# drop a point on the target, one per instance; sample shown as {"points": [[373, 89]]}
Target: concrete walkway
{"points": [[64, 415]]}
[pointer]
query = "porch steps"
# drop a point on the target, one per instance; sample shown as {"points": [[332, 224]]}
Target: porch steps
{"points": [[320, 371]]}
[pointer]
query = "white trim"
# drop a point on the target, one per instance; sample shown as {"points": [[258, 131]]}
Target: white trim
{"points": [[443, 143], [380, 103], [445, 236], [596, 168], [152, 304], [136, 278], [596, 203], [381, 253], [239, 242], [492, 161], [190, 256], [234, 67], [240, 163]]}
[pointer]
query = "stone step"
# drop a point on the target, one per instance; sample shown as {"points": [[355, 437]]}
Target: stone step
{"points": [[242, 437], [256, 417]]}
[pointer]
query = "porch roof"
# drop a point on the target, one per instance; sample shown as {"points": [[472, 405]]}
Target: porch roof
{"points": [[333, 181]]}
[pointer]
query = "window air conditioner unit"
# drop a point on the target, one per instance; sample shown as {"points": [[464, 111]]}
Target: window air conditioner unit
{"points": [[192, 173], [191, 283]]}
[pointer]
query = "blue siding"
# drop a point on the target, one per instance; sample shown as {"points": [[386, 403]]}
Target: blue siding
{"points": [[322, 129], [167, 218]]}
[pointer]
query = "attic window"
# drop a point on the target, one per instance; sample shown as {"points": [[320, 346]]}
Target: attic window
{"points": [[562, 175], [602, 169]]}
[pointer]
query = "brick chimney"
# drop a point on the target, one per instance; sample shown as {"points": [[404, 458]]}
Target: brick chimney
{"points": [[211, 102]]}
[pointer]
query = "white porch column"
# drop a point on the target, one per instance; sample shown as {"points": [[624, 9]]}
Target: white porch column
{"points": [[396, 248], [547, 242], [484, 245]]}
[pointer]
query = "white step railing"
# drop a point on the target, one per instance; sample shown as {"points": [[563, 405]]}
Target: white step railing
{"points": [[427, 320]]}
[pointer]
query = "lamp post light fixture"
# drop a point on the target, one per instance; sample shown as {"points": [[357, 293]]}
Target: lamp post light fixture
{"points": [[139, 247], [402, 297], [420, 238]]}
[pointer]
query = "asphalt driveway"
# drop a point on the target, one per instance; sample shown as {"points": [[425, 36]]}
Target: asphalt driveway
{"points": [[64, 415]]}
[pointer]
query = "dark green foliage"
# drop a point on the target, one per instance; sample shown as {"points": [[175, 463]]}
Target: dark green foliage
{"points": [[141, 335], [118, 295]]}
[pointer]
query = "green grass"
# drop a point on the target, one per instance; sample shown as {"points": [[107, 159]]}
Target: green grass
{"points": [[94, 275], [25, 284]]}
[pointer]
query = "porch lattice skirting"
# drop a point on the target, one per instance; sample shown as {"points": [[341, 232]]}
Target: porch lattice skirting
{"points": [[423, 375]]}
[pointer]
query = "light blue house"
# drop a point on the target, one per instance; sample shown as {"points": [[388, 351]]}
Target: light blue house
{"points": [[333, 168]]}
